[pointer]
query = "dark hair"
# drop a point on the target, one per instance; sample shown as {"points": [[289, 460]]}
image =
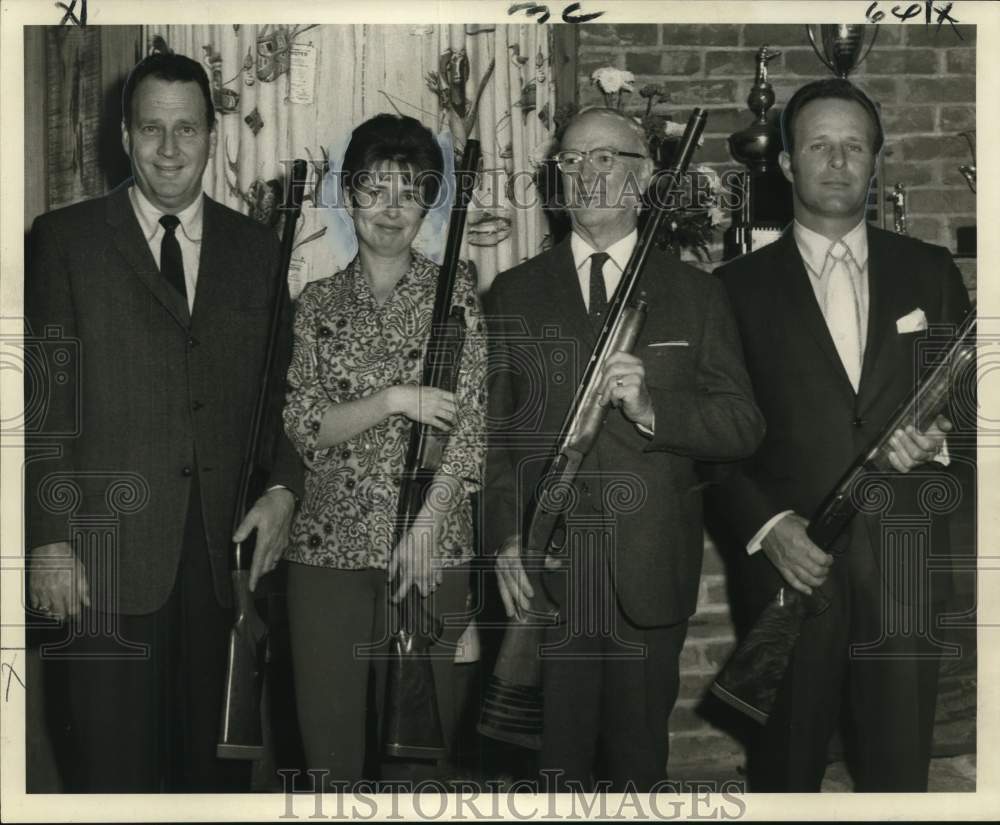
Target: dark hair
{"points": [[829, 88], [175, 68], [398, 139]]}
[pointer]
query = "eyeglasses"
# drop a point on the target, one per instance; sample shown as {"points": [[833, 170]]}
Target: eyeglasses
{"points": [[601, 158]]}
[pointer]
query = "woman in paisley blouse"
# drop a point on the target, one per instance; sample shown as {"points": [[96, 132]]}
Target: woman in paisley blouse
{"points": [[354, 393]]}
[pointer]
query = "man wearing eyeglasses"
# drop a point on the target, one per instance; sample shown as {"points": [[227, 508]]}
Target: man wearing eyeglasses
{"points": [[610, 669]]}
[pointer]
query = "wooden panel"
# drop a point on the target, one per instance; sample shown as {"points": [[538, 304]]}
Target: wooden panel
{"points": [[72, 110], [563, 49], [34, 123], [121, 49]]}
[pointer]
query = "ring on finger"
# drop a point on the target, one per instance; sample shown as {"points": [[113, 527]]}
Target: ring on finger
{"points": [[619, 382]]}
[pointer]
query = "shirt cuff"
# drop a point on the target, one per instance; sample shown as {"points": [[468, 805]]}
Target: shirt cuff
{"points": [[754, 544], [281, 487], [647, 431], [943, 458]]}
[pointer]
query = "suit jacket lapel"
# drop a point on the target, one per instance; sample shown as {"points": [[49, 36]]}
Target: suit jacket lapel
{"points": [[212, 262], [880, 310], [566, 286], [131, 243], [805, 309]]}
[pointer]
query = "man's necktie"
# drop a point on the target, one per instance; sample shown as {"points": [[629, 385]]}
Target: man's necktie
{"points": [[171, 262], [598, 290], [842, 315]]}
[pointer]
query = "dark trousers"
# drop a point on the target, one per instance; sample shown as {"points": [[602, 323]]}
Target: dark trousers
{"points": [[608, 686], [334, 618], [150, 723], [869, 644]]}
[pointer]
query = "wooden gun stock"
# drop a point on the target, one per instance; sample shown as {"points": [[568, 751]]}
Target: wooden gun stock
{"points": [[241, 733], [512, 705], [750, 679], [412, 726]]}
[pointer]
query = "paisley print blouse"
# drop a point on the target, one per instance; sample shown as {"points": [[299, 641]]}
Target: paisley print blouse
{"points": [[349, 347]]}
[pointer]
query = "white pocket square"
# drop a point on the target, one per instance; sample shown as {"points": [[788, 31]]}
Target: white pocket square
{"points": [[668, 344], [911, 322]]}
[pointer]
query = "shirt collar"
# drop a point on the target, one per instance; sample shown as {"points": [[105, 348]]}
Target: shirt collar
{"points": [[620, 251], [191, 216], [814, 247]]}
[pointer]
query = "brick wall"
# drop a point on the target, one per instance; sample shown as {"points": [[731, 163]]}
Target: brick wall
{"points": [[924, 79]]}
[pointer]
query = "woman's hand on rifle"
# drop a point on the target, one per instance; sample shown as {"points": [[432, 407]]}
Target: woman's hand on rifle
{"points": [[428, 405], [515, 589], [416, 560], [623, 385], [413, 560]]}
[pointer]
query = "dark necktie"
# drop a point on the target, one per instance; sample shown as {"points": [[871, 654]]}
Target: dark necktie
{"points": [[171, 262], [598, 291]]}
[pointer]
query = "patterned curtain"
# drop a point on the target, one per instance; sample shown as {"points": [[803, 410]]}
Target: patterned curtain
{"points": [[287, 91]]}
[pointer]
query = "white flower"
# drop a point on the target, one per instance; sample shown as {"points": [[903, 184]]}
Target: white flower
{"points": [[716, 215], [671, 129], [676, 130], [611, 80]]}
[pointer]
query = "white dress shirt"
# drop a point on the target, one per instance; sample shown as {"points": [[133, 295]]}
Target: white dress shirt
{"points": [[188, 234], [619, 252]]}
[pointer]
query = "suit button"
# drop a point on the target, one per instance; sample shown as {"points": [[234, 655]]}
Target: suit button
{"points": [[192, 342], [186, 471], [859, 422]]}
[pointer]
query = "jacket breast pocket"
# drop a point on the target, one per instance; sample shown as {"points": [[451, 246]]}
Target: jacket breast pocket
{"points": [[667, 366]]}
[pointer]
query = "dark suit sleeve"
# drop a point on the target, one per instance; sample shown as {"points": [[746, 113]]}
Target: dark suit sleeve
{"points": [[500, 518], [955, 299], [50, 317], [717, 419], [287, 469]]}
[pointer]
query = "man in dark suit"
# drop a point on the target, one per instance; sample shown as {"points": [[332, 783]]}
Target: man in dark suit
{"points": [[832, 318], [168, 295], [610, 669]]}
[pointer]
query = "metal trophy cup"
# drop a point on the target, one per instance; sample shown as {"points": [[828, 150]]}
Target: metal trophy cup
{"points": [[843, 45]]}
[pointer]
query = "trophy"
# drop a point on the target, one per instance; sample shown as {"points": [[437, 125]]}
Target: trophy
{"points": [[754, 146], [897, 197], [764, 196], [843, 45], [968, 170], [965, 236]]}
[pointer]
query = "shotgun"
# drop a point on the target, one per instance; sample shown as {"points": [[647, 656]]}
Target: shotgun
{"points": [[512, 705], [749, 681], [412, 726], [241, 734]]}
